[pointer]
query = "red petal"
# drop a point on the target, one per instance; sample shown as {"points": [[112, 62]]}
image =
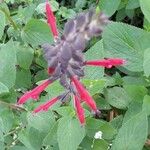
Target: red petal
{"points": [[79, 110], [108, 63], [51, 19], [84, 94], [34, 94], [46, 106]]}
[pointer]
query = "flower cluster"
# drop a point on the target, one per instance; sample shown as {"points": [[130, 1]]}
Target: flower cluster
{"points": [[66, 60]]}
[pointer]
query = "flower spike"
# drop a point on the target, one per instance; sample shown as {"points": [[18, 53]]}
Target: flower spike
{"points": [[79, 110], [108, 63], [51, 19], [84, 94], [34, 94], [46, 106]]}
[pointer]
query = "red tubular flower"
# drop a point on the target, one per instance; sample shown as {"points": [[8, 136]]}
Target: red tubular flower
{"points": [[51, 19], [34, 94], [79, 110], [84, 95], [46, 106], [108, 63]]}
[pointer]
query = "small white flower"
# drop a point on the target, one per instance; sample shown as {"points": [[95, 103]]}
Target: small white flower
{"points": [[98, 135]]}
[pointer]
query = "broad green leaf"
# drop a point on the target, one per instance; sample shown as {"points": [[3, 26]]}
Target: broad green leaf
{"points": [[132, 4], [3, 89], [118, 97], [128, 42], [145, 7], [136, 93], [41, 121], [146, 104], [2, 23], [51, 138], [8, 62], [24, 57], [94, 86], [26, 76], [37, 32], [100, 145], [69, 134], [31, 138], [108, 131], [109, 7], [133, 134], [93, 126], [7, 117], [146, 62], [95, 52]]}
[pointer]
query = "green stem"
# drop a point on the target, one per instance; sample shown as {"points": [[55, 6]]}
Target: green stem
{"points": [[12, 106]]}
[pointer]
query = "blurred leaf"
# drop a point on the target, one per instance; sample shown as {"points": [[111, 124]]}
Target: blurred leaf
{"points": [[100, 145], [25, 57], [3, 89], [109, 7], [37, 32], [146, 62], [132, 4], [8, 62], [135, 128], [93, 126], [31, 138], [69, 133], [23, 74], [41, 121], [2, 23], [145, 7], [94, 86], [118, 97], [126, 42], [51, 137], [146, 104], [7, 117]]}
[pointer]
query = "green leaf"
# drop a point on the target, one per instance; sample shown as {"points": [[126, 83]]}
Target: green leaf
{"points": [[7, 117], [100, 145], [31, 138], [95, 52], [2, 23], [93, 126], [8, 62], [146, 62], [51, 137], [26, 76], [37, 32], [94, 86], [146, 104], [133, 134], [128, 42], [118, 97], [69, 134], [132, 4], [25, 57], [145, 7], [41, 121], [3, 89], [109, 7]]}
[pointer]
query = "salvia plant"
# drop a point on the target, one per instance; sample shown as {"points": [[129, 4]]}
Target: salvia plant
{"points": [[66, 61]]}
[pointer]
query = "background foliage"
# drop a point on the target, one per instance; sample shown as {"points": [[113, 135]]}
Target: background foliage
{"points": [[122, 94]]}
